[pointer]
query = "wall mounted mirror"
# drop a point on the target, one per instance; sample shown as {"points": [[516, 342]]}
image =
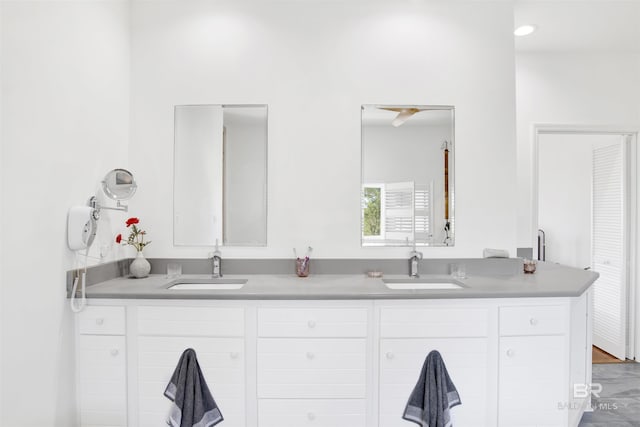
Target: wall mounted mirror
{"points": [[407, 175], [220, 175], [119, 184]]}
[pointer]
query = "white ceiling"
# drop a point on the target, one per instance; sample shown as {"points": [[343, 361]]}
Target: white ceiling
{"points": [[579, 26]]}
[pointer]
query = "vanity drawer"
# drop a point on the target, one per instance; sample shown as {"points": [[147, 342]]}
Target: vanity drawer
{"points": [[312, 322], [191, 321], [430, 322], [311, 412], [312, 368], [102, 320], [533, 320]]}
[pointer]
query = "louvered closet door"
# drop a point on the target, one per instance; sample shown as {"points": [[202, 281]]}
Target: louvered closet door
{"points": [[398, 212], [609, 249], [423, 215]]}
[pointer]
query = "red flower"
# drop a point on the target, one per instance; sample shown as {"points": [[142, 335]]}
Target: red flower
{"points": [[136, 236]]}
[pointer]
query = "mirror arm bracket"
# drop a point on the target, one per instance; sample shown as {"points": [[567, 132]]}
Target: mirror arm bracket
{"points": [[93, 202]]}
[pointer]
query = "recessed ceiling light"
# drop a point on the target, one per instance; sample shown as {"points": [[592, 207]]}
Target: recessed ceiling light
{"points": [[525, 30]]}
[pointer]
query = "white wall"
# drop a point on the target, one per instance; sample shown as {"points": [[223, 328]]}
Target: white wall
{"points": [[1, 213], [65, 115], [315, 64], [587, 88], [597, 89], [564, 204]]}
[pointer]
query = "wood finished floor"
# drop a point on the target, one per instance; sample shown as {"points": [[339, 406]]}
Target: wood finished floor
{"points": [[601, 356]]}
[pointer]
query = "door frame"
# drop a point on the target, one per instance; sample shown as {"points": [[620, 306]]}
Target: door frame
{"points": [[632, 161]]}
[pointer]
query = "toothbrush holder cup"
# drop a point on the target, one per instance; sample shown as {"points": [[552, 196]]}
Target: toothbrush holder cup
{"points": [[302, 267]]}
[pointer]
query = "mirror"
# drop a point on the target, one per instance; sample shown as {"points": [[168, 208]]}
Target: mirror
{"points": [[220, 175], [119, 184], [407, 175]]}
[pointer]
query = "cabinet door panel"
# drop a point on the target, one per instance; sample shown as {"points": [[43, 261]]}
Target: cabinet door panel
{"points": [[532, 369], [102, 380], [222, 361], [401, 361]]}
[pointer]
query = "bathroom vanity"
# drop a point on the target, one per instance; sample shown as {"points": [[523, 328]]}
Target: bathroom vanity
{"points": [[339, 350]]}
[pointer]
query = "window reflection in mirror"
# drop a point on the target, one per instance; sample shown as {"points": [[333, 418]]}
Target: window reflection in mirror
{"points": [[407, 175], [220, 175]]}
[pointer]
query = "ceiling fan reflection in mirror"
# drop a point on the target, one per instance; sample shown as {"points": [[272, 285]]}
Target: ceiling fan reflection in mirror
{"points": [[404, 113]]}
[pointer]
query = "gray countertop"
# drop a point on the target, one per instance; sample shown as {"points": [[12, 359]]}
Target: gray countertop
{"points": [[549, 281]]}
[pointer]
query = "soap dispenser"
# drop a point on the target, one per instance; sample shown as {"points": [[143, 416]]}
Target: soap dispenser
{"points": [[216, 262]]}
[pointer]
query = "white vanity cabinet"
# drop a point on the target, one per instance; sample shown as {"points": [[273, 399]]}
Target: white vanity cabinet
{"points": [[532, 358], [312, 366], [409, 331], [545, 355], [337, 363], [101, 367]]}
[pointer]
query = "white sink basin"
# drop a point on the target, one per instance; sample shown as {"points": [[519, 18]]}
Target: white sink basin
{"points": [[207, 284], [421, 284]]}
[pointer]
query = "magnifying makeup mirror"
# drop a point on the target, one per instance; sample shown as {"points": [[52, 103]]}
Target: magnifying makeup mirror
{"points": [[118, 184]]}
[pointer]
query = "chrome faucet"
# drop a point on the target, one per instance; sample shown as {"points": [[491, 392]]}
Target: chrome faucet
{"points": [[414, 257], [216, 263]]}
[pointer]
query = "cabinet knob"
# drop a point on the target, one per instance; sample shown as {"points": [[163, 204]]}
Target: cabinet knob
{"points": [[510, 352], [234, 355], [115, 352], [311, 416], [533, 321], [310, 355], [99, 321], [390, 355], [311, 324]]}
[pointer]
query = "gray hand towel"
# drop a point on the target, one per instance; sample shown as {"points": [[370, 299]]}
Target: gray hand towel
{"points": [[193, 405], [433, 396]]}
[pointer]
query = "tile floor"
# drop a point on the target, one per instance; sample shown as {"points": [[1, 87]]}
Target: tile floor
{"points": [[619, 401]]}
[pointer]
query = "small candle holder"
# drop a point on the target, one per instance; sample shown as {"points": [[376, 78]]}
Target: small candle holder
{"points": [[529, 266], [302, 266]]}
